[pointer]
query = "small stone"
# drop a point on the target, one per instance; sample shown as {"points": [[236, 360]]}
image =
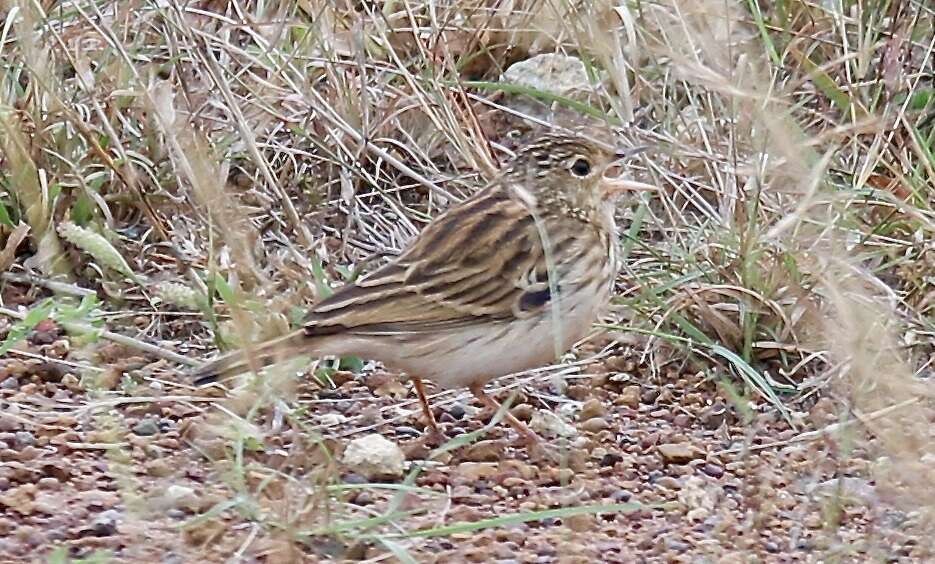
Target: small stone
{"points": [[551, 425], [158, 468], [578, 392], [611, 458], [678, 453], [9, 383], [649, 395], [474, 471], [682, 420], [513, 482], [698, 514], [25, 438], [713, 470], [591, 409], [404, 431], [331, 419], [71, 382], [669, 482], [181, 497], [596, 424], [580, 523], [146, 427], [485, 451], [109, 379], [49, 483], [457, 411], [694, 493], [523, 412], [105, 524], [551, 72], [714, 415], [375, 457], [629, 396]]}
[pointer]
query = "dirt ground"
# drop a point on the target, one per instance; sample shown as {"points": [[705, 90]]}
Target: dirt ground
{"points": [[128, 474]]}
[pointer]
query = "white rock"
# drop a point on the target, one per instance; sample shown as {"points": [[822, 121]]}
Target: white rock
{"points": [[695, 494], [181, 497], [374, 457], [332, 419], [550, 72]]}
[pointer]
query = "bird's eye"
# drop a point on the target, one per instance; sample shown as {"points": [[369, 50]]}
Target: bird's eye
{"points": [[581, 168]]}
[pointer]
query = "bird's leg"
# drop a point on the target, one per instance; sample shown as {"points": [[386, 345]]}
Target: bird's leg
{"points": [[433, 432], [527, 434]]}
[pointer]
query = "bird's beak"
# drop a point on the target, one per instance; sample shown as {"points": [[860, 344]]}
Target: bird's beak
{"points": [[619, 185], [615, 183]]}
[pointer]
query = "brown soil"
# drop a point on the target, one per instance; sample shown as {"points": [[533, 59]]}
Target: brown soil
{"points": [[130, 476]]}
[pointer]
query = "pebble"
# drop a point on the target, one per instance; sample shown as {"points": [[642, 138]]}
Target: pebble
{"points": [[181, 497], [629, 396], [71, 381], [513, 482], [578, 392], [592, 408], [146, 427], [105, 524], [374, 457], [485, 451], [649, 395], [474, 471], [595, 424], [669, 482], [457, 411], [25, 438], [678, 453], [404, 431], [697, 514], [580, 523], [713, 470], [551, 425], [158, 468], [713, 416], [49, 483], [9, 383], [611, 459]]}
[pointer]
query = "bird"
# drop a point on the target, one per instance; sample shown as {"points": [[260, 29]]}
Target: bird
{"points": [[507, 280]]}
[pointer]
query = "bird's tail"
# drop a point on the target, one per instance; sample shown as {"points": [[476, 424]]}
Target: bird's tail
{"points": [[251, 358]]}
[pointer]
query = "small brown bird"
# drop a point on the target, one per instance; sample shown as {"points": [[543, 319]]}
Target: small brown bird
{"points": [[503, 282]]}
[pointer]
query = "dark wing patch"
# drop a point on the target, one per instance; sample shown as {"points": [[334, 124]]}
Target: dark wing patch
{"points": [[533, 300]]}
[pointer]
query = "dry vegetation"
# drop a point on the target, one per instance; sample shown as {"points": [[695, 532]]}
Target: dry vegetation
{"points": [[178, 177]]}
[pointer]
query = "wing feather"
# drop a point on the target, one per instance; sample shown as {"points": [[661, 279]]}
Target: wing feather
{"points": [[474, 264]]}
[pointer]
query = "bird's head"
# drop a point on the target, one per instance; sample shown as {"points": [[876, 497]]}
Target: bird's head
{"points": [[575, 173]]}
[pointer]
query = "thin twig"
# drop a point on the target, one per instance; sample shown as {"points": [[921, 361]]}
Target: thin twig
{"points": [[124, 340]]}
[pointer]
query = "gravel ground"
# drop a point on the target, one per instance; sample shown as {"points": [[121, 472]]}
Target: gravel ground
{"points": [[715, 485]]}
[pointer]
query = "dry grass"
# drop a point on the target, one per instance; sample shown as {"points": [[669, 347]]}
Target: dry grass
{"points": [[229, 149]]}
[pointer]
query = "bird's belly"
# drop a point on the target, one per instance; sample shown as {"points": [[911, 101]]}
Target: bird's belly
{"points": [[466, 356]]}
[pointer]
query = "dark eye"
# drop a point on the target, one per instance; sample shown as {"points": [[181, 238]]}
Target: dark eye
{"points": [[581, 168]]}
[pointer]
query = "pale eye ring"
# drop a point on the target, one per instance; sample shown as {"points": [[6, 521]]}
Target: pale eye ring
{"points": [[581, 167]]}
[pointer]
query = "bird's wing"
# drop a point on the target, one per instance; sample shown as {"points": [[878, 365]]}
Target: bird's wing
{"points": [[480, 261]]}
